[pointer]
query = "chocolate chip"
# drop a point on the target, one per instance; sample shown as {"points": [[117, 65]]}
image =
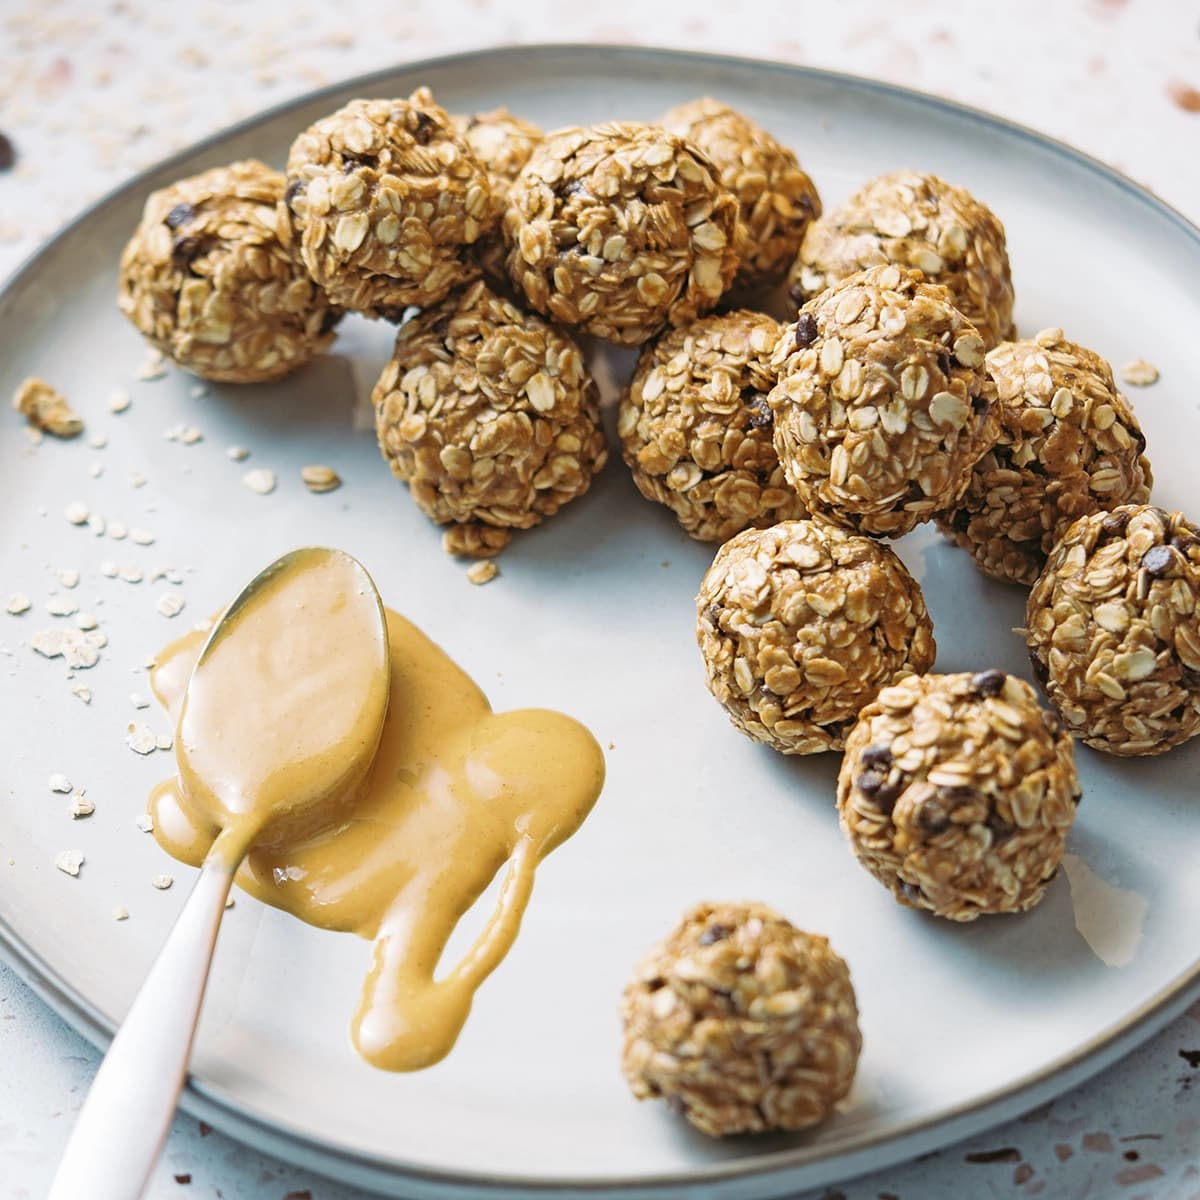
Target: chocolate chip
{"points": [[912, 893], [181, 214], [1040, 671], [980, 404], [869, 782], [8, 153], [876, 756], [294, 189], [945, 363], [933, 818], [806, 330], [1001, 829], [1158, 560], [886, 796], [185, 251], [713, 613], [1053, 723], [1115, 522], [424, 131], [989, 683], [330, 319], [760, 416], [714, 933], [796, 294]]}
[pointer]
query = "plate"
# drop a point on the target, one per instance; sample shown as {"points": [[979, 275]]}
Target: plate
{"points": [[592, 614]]}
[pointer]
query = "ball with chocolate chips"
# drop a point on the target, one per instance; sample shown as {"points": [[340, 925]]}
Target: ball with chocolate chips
{"points": [[918, 222], [213, 279], [801, 624], [1069, 444], [957, 791], [776, 200], [1113, 627], [619, 229], [490, 416], [882, 407], [742, 1022], [387, 199], [695, 427]]}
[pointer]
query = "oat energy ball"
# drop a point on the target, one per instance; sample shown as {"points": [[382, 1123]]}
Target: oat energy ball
{"points": [[695, 427], [1113, 626], [742, 1022], [387, 198], [883, 406], [920, 222], [957, 792], [620, 228], [776, 200], [801, 624], [490, 417], [1069, 444], [212, 278]]}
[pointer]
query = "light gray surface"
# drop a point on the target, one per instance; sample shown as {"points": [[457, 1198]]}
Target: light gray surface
{"points": [[976, 1169]]}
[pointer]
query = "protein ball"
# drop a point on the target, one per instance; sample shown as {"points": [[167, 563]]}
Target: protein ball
{"points": [[777, 201], [387, 198], [957, 792], [742, 1022], [1113, 627], [213, 279], [918, 222], [502, 143], [801, 624], [695, 427], [620, 228], [883, 406], [490, 417], [1069, 444]]}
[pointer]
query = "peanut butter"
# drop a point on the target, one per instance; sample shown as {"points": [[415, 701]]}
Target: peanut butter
{"points": [[455, 793]]}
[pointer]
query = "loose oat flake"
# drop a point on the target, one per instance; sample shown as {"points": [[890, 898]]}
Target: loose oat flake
{"points": [[154, 366], [482, 572], [80, 649], [18, 603], [170, 604], [81, 806], [141, 537], [318, 478], [162, 882], [68, 577], [260, 480], [77, 513], [61, 606], [119, 401], [145, 823], [1139, 373], [86, 621], [138, 700], [69, 861], [46, 409], [60, 783], [120, 913], [140, 738], [118, 530], [237, 453]]}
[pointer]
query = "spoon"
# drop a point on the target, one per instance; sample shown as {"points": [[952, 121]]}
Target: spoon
{"points": [[279, 727]]}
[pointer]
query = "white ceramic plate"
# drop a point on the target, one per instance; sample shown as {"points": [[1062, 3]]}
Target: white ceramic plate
{"points": [[592, 614]]}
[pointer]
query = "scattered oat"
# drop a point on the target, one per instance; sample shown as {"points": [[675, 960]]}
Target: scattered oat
{"points": [[61, 606], [18, 603], [164, 741], [189, 435], [60, 783], [35, 437], [260, 480], [86, 621], [237, 453], [118, 530], [81, 806], [170, 604], [132, 574], [84, 693], [483, 571], [162, 882], [1139, 373], [120, 913], [155, 366], [229, 903], [145, 823], [197, 390], [318, 478], [68, 577], [141, 537], [140, 738], [119, 401], [109, 569], [80, 649], [69, 861], [77, 513], [46, 409], [98, 441], [149, 662], [95, 469], [138, 700], [137, 479], [96, 524]]}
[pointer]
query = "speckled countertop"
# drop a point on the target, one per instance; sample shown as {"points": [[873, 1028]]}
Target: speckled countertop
{"points": [[92, 92]]}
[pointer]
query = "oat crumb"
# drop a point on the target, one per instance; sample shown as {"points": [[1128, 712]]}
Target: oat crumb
{"points": [[61, 606], [69, 861], [132, 574], [68, 577], [164, 741], [96, 524], [138, 700], [119, 401], [46, 409], [77, 513], [120, 913], [260, 480], [84, 693], [95, 469], [155, 366], [319, 478], [81, 806], [118, 530], [141, 537], [482, 572], [98, 441], [1139, 373], [170, 604], [145, 823], [140, 738], [18, 603], [60, 783], [86, 621], [237, 453], [137, 479], [109, 570], [162, 882]]}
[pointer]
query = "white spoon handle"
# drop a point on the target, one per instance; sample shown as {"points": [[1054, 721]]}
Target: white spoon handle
{"points": [[128, 1110]]}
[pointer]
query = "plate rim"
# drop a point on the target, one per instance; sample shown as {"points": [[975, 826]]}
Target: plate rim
{"points": [[244, 1124]]}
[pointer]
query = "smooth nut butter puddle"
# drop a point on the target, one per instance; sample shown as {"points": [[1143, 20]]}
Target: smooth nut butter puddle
{"points": [[455, 793]]}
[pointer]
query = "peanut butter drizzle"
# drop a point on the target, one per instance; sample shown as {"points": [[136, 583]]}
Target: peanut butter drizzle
{"points": [[455, 793]]}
